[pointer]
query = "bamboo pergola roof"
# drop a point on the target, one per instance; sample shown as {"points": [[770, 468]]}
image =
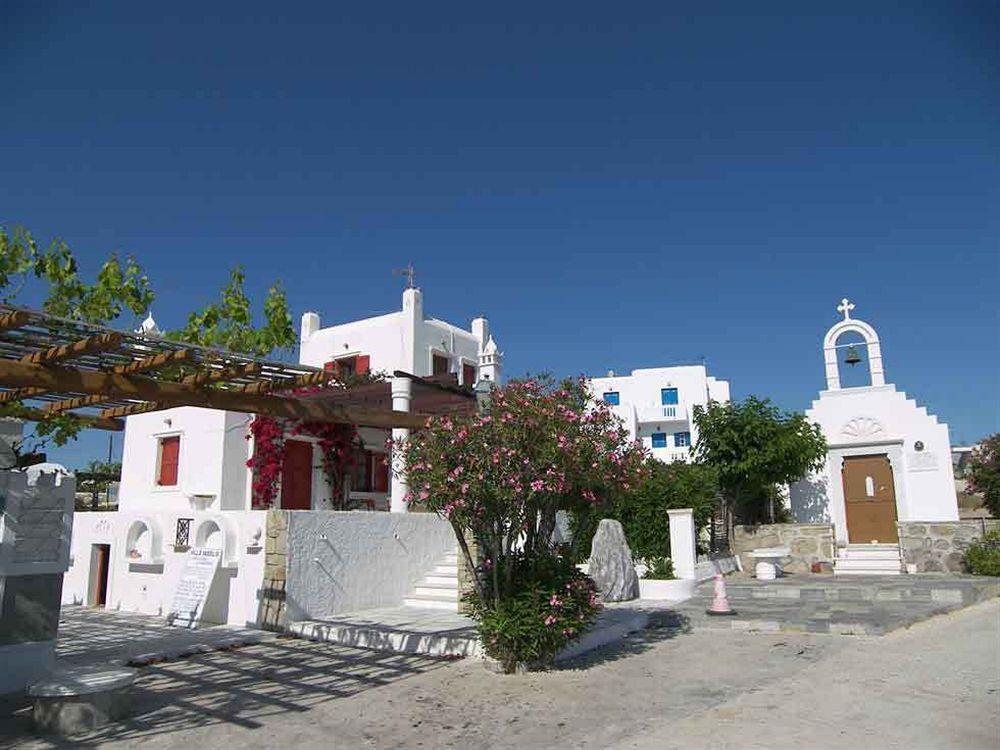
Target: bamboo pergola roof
{"points": [[98, 375]]}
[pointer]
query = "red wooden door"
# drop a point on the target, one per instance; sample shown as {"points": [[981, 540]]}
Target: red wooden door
{"points": [[103, 552], [296, 476]]}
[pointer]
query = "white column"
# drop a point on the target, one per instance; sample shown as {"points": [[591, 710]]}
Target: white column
{"points": [[402, 390], [683, 552]]}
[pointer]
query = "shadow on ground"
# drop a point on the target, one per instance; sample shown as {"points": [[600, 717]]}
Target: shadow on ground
{"points": [[242, 686], [663, 626]]}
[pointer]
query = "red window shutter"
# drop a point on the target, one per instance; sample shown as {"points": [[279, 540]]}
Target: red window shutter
{"points": [[170, 449], [331, 366], [439, 365], [381, 473], [363, 363], [468, 375]]}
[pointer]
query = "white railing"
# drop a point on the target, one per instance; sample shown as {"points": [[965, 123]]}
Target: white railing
{"points": [[660, 413]]}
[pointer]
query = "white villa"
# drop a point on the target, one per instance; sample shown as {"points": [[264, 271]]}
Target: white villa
{"points": [[185, 485], [656, 405]]}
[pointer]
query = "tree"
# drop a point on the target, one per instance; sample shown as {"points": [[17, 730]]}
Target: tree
{"points": [[642, 511], [122, 287], [499, 478], [756, 448], [983, 474]]}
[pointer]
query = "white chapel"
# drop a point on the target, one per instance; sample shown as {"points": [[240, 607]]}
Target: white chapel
{"points": [[889, 460]]}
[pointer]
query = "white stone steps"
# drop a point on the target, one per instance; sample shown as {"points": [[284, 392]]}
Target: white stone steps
{"points": [[438, 589], [423, 601], [402, 631], [868, 559], [444, 580]]}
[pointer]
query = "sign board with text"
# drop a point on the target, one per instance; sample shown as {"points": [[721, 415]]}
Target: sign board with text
{"points": [[193, 586]]}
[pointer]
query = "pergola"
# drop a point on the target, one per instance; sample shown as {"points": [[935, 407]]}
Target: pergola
{"points": [[97, 375]]}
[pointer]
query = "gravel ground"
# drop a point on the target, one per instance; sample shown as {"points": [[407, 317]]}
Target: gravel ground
{"points": [[935, 685]]}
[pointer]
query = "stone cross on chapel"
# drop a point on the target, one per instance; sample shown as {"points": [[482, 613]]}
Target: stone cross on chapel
{"points": [[845, 307]]}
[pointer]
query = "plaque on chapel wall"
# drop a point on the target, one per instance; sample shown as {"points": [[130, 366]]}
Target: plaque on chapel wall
{"points": [[922, 461], [193, 587]]}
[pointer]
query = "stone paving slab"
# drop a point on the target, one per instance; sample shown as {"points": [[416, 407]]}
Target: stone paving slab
{"points": [[873, 605], [98, 636]]}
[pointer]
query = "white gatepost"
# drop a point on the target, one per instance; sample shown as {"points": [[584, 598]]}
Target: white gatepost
{"points": [[402, 391], [683, 551]]}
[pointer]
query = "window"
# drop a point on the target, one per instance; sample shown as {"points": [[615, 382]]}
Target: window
{"points": [[682, 439], [668, 396], [169, 450], [611, 397], [439, 365], [347, 366], [468, 375], [659, 440]]}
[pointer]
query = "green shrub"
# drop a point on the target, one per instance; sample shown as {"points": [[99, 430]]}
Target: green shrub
{"points": [[659, 569], [983, 557], [642, 510], [549, 605]]}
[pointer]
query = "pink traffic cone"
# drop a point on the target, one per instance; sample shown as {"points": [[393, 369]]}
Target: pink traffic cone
{"points": [[720, 604]]}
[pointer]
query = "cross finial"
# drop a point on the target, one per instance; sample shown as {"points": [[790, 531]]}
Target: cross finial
{"points": [[408, 272], [845, 307]]}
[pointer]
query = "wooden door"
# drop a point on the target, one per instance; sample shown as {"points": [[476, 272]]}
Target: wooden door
{"points": [[102, 560], [869, 500], [296, 476]]}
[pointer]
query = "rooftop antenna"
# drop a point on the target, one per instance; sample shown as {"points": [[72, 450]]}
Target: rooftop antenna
{"points": [[408, 272]]}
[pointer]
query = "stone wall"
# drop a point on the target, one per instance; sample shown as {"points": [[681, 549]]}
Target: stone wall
{"points": [[808, 543], [272, 592], [939, 547]]}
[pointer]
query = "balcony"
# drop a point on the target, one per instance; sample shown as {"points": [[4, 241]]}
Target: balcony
{"points": [[665, 413]]}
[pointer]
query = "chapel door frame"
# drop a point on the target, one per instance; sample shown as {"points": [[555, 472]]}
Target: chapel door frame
{"points": [[871, 517]]}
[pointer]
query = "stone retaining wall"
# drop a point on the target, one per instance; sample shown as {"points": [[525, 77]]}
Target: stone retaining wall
{"points": [[939, 546], [272, 592], [808, 542]]}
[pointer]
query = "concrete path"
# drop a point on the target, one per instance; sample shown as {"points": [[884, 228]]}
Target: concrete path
{"points": [[97, 636], [935, 685]]}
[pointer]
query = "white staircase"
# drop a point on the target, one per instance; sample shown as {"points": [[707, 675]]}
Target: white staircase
{"points": [[868, 560], [439, 588]]}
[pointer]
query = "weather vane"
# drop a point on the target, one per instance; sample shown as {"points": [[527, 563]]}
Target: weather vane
{"points": [[408, 272]]}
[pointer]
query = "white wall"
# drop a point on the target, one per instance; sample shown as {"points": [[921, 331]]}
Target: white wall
{"points": [[880, 420], [404, 340], [639, 395], [345, 561], [148, 586]]}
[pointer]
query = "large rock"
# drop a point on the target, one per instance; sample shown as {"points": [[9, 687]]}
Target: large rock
{"points": [[611, 563]]}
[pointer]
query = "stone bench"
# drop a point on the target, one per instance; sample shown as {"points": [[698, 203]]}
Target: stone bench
{"points": [[768, 561], [73, 700]]}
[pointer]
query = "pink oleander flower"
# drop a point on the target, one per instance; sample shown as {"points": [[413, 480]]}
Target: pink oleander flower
{"points": [[550, 621]]}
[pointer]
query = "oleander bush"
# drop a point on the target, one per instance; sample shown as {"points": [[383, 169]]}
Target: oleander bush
{"points": [[983, 557]]}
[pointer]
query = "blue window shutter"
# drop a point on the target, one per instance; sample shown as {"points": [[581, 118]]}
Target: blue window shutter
{"points": [[668, 396], [682, 439], [659, 440], [611, 397]]}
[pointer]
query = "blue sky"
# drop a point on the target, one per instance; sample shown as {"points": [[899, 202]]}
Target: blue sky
{"points": [[614, 186]]}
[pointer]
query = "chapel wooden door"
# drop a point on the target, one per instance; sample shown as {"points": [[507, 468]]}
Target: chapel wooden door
{"points": [[869, 500], [102, 561], [296, 476]]}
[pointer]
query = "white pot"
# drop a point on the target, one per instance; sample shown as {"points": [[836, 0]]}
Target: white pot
{"points": [[677, 589]]}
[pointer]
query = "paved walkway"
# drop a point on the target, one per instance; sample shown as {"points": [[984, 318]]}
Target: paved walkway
{"points": [[935, 685], [98, 636]]}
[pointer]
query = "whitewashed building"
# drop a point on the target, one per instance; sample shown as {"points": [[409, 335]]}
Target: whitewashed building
{"points": [[889, 461], [656, 405], [185, 482]]}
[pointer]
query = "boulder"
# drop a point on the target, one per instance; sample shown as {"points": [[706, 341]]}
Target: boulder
{"points": [[611, 564]]}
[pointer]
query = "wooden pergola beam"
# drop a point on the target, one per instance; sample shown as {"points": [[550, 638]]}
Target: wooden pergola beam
{"points": [[54, 378], [85, 420], [155, 362], [229, 372], [14, 319], [125, 411], [101, 343], [273, 386]]}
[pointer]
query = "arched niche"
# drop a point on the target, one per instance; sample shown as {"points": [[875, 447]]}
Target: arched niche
{"points": [[215, 532], [871, 343], [144, 542]]}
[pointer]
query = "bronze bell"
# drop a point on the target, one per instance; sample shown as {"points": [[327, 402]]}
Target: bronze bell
{"points": [[852, 357]]}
